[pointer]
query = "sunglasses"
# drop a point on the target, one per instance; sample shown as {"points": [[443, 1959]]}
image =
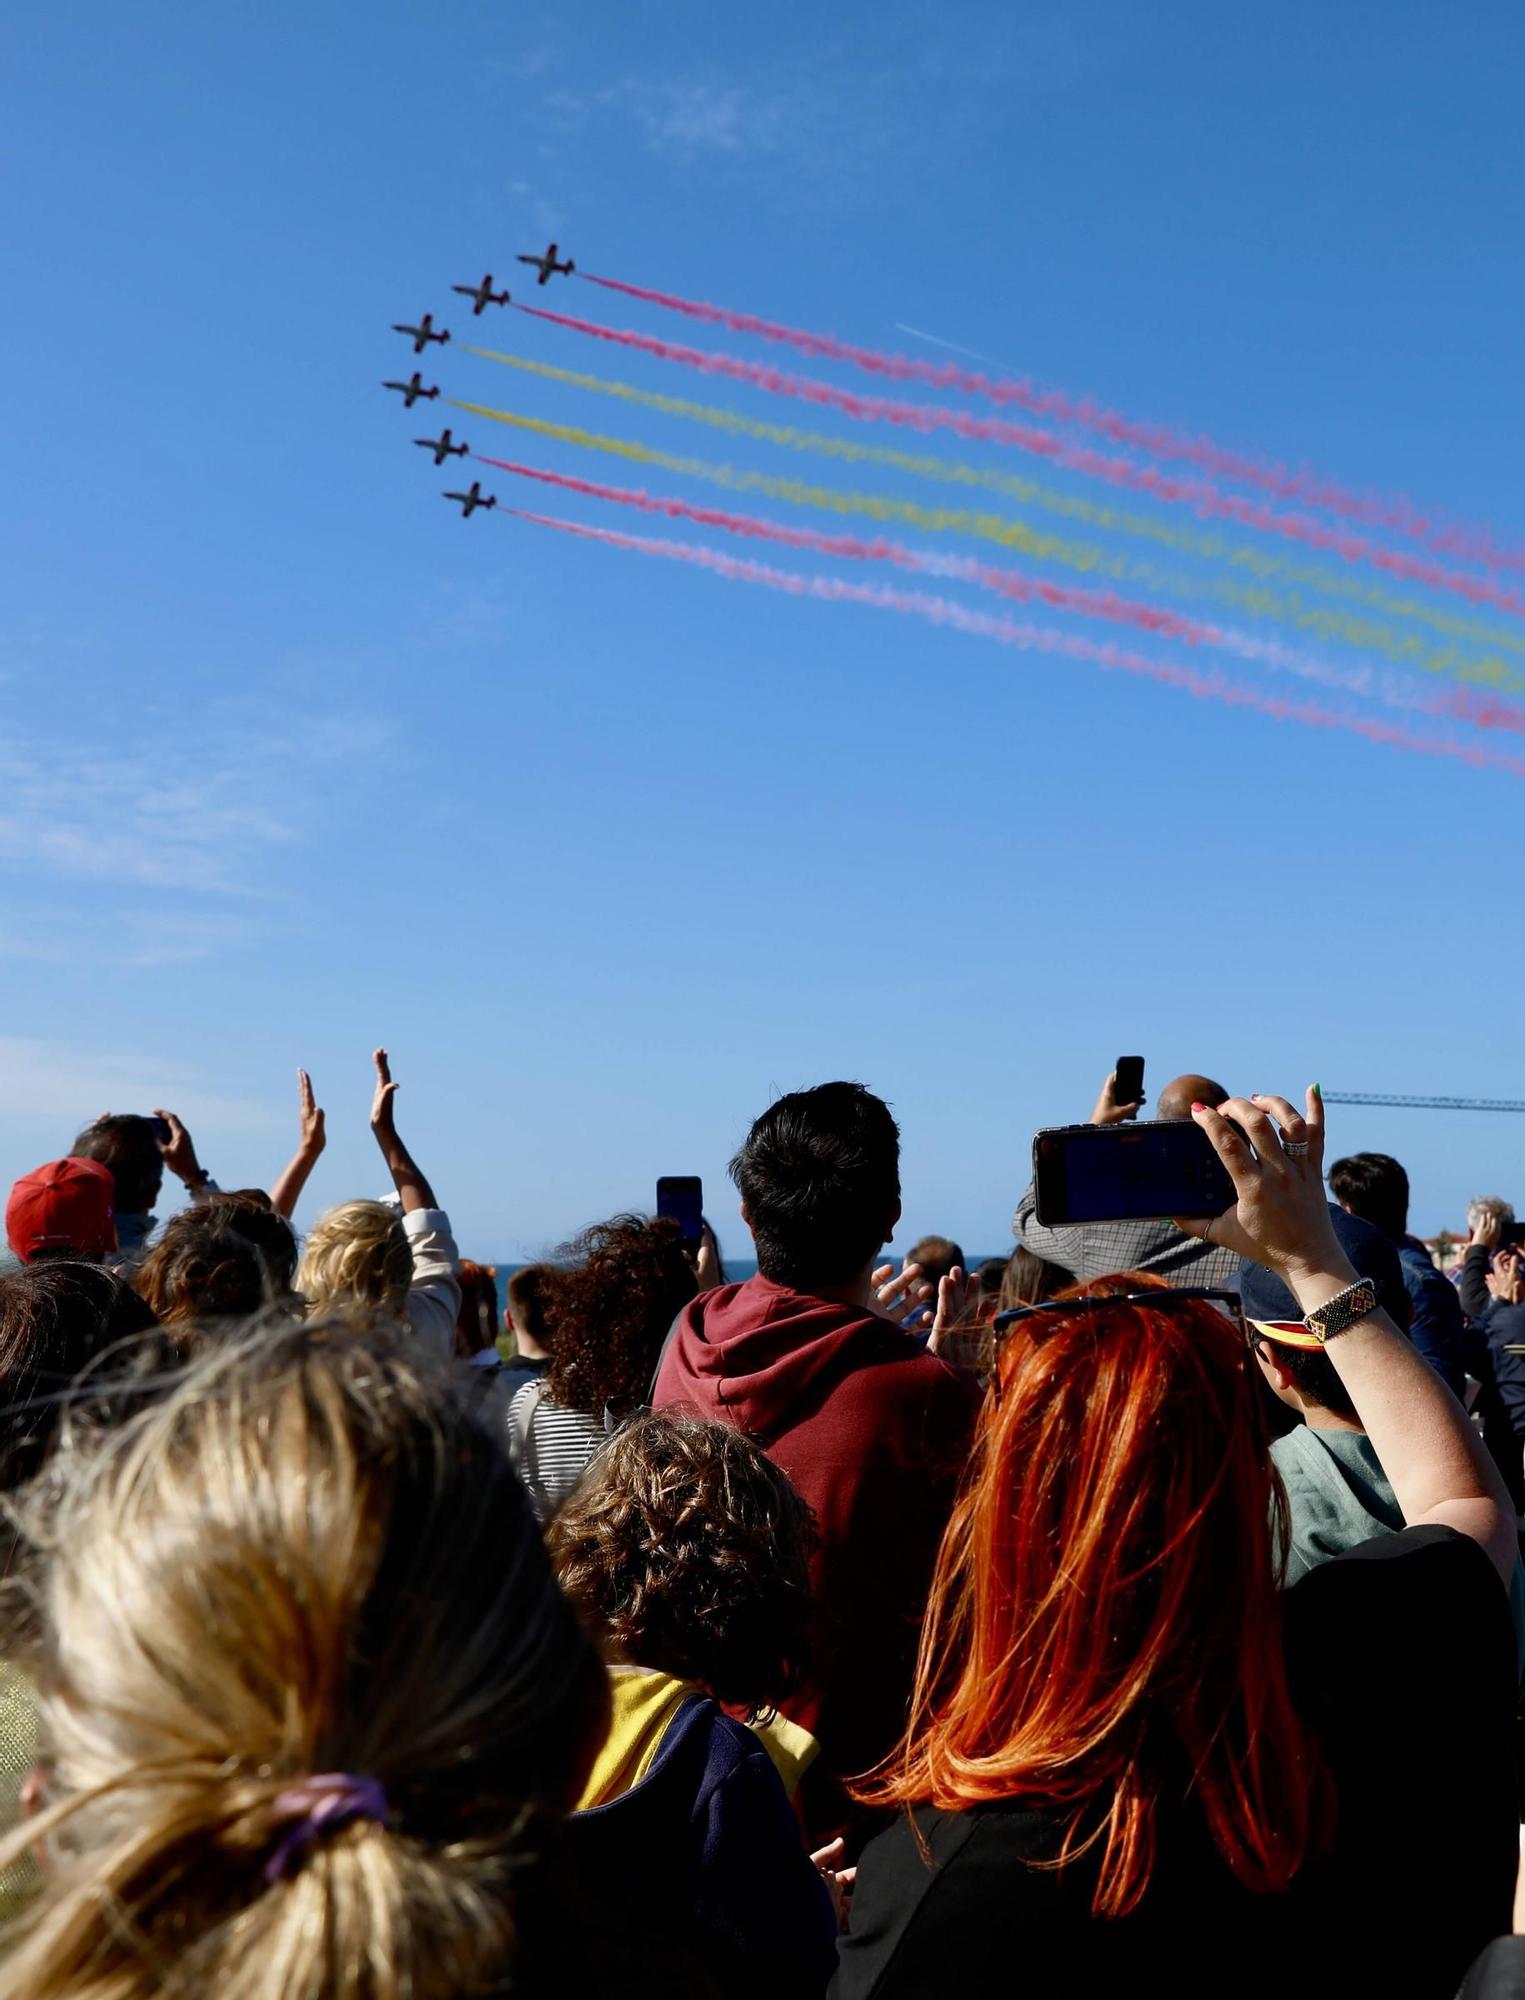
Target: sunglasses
{"points": [[1226, 1303]]}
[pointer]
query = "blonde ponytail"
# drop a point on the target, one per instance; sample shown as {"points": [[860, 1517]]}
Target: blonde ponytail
{"points": [[308, 1561]]}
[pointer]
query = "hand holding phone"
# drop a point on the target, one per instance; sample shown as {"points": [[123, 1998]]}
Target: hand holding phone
{"points": [[1122, 1094], [681, 1196], [1123, 1172]]}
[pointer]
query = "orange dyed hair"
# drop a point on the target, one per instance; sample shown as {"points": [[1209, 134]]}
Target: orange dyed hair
{"points": [[1104, 1627]]}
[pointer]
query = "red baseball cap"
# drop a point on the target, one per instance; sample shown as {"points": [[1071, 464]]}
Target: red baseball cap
{"points": [[66, 1205]]}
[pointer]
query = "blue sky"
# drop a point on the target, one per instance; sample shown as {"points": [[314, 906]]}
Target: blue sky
{"points": [[607, 851]]}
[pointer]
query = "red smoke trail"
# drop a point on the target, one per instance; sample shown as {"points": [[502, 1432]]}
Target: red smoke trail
{"points": [[1460, 704], [1058, 406], [1199, 495], [1034, 638]]}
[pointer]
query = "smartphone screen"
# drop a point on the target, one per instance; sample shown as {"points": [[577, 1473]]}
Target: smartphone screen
{"points": [[1123, 1173], [1129, 1085], [682, 1197]]}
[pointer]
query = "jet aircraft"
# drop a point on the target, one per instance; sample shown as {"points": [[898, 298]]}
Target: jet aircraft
{"points": [[547, 264], [411, 390], [423, 333], [442, 447], [482, 295], [475, 498]]}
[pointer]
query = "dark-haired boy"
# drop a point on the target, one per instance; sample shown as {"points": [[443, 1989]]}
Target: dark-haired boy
{"points": [[871, 1428]]}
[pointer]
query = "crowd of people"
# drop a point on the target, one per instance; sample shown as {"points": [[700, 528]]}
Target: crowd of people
{"points": [[1145, 1606]]}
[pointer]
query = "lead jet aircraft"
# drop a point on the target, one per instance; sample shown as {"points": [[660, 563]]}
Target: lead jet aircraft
{"points": [[547, 264]]}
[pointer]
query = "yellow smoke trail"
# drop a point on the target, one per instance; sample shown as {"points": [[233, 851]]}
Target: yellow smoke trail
{"points": [[1249, 558], [1002, 529]]}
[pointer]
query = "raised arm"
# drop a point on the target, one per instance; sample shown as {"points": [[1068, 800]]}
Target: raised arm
{"points": [[287, 1191], [1437, 1463], [413, 1191]]}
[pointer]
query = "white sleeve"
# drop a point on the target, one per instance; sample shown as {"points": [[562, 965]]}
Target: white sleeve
{"points": [[434, 1298]]}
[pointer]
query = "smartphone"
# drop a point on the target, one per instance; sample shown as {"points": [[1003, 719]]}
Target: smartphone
{"points": [[682, 1197], [1129, 1085], [161, 1130], [1127, 1173]]}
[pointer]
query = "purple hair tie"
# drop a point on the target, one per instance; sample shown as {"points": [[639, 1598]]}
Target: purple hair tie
{"points": [[321, 1805]]}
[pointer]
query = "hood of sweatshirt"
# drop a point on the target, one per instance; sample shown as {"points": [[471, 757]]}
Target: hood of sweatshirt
{"points": [[758, 1353]]}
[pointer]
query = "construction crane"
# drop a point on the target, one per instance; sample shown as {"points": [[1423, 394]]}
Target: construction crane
{"points": [[1424, 1103]]}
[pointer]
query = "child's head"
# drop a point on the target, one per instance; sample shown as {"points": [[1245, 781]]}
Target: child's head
{"points": [[309, 1695], [688, 1552], [357, 1255]]}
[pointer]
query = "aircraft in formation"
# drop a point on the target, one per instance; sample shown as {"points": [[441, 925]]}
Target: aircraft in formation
{"points": [[475, 498], [482, 295], [547, 264], [442, 447], [412, 390], [423, 333]]}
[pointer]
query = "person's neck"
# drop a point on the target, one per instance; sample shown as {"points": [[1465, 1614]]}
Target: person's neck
{"points": [[529, 1350], [856, 1292], [1317, 1418]]}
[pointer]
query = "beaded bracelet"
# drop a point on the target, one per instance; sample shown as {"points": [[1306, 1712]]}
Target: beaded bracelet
{"points": [[1345, 1310]]}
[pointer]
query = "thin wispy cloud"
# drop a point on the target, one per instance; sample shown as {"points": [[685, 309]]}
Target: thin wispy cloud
{"points": [[69, 1086], [161, 814]]}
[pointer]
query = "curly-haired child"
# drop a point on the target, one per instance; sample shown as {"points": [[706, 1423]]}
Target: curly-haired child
{"points": [[687, 1552]]}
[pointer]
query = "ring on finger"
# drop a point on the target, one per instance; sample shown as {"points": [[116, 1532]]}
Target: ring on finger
{"points": [[1295, 1149]]}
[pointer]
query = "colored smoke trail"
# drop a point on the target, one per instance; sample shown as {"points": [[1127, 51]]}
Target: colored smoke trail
{"points": [[1105, 605], [1028, 638], [1004, 530], [1199, 495], [1084, 413], [1262, 564]]}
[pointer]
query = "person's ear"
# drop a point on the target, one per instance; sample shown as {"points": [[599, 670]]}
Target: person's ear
{"points": [[741, 1210], [1280, 1377]]}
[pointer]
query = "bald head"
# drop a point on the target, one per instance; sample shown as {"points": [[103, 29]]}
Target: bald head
{"points": [[1182, 1092]]}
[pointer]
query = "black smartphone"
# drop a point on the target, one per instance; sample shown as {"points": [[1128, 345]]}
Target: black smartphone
{"points": [[1128, 1173], [161, 1130], [1128, 1087], [682, 1197]]}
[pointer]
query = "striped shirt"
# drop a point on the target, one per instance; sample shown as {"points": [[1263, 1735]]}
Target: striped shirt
{"points": [[551, 1447]]}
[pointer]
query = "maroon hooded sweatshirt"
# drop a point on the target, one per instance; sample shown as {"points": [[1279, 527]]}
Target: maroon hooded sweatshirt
{"points": [[874, 1432]]}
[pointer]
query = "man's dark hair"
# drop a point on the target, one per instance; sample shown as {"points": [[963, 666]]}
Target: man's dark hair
{"points": [[530, 1291], [819, 1176], [1375, 1187], [937, 1256], [1315, 1376], [126, 1145]]}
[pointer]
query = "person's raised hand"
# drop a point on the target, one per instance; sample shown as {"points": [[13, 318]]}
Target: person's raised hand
{"points": [[707, 1258], [309, 1118], [1107, 1110], [178, 1151], [1281, 1215], [899, 1295], [957, 1291], [383, 1121], [840, 1882], [1506, 1280], [1489, 1230]]}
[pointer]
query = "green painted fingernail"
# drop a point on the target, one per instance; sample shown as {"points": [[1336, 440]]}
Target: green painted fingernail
{"points": [[1318, 1090]]}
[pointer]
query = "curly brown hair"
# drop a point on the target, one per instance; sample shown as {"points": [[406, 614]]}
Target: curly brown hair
{"points": [[610, 1312], [688, 1551], [205, 1266]]}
